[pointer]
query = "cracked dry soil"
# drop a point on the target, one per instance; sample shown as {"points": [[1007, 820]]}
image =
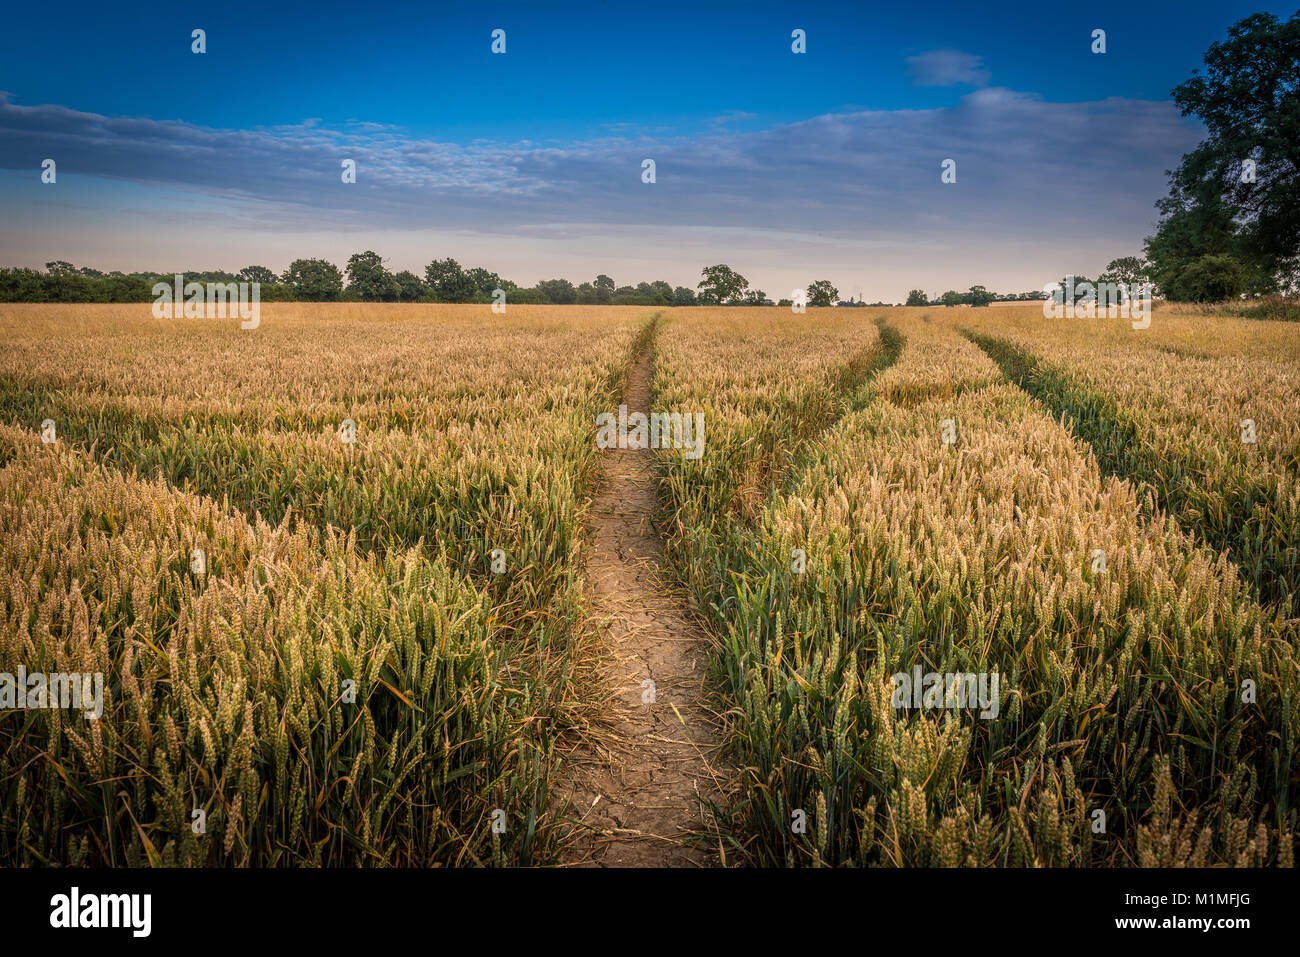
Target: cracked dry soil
{"points": [[641, 787]]}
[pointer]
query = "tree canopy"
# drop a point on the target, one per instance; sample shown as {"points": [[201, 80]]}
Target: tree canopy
{"points": [[721, 284], [822, 293], [1237, 195]]}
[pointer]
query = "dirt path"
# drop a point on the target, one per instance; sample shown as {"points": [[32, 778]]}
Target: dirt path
{"points": [[640, 786]]}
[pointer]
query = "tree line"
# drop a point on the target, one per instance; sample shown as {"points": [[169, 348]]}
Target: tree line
{"points": [[365, 278], [974, 296]]}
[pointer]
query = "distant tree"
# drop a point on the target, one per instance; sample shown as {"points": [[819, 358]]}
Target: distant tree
{"points": [[979, 296], [559, 291], [22, 285], [314, 280], [448, 282], [258, 274], [136, 288], [1130, 270], [587, 296], [524, 296], [952, 298], [721, 284], [917, 298], [1080, 286], [65, 283], [369, 280], [657, 293], [604, 289], [683, 296], [410, 287], [822, 293], [485, 281], [756, 297]]}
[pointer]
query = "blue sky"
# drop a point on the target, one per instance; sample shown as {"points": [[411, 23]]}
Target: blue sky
{"points": [[790, 167]]}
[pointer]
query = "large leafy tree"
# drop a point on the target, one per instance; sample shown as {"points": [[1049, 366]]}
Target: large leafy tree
{"points": [[559, 291], [721, 284], [258, 274], [822, 293], [448, 282], [1208, 279], [369, 280], [410, 287], [485, 281], [916, 298], [1189, 229], [1219, 204], [314, 280], [1130, 270]]}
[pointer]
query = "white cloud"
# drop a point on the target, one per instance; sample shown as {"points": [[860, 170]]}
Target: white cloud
{"points": [[1041, 187]]}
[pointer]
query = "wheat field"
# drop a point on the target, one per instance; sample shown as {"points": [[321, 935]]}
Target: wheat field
{"points": [[382, 646]]}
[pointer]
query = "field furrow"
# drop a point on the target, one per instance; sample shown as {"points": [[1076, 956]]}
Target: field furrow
{"points": [[1177, 422], [953, 528]]}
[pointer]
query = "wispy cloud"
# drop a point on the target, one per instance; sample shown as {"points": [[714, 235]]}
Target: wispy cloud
{"points": [[1032, 174], [722, 120], [947, 68]]}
